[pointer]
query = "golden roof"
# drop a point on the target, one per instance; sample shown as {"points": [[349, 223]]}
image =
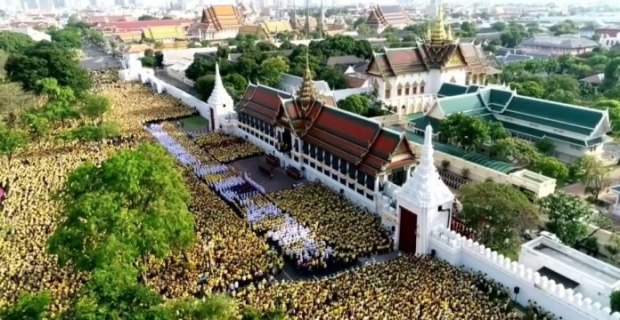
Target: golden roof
{"points": [[438, 35], [161, 33], [222, 16], [252, 29], [307, 91], [137, 48], [130, 36], [273, 27]]}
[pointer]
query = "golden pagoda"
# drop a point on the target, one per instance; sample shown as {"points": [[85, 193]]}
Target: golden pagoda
{"points": [[438, 34], [307, 91]]}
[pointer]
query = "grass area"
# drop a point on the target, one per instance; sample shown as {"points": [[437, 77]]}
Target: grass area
{"points": [[194, 123]]}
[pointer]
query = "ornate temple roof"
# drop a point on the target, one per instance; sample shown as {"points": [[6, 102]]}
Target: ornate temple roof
{"points": [[424, 187], [358, 140], [385, 15]]}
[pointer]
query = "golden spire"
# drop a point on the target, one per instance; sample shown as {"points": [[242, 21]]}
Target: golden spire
{"points": [[307, 92], [438, 35], [450, 36]]}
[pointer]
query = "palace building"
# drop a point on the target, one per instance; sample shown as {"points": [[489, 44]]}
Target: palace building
{"points": [[218, 23], [381, 17], [573, 130], [349, 152], [405, 77]]}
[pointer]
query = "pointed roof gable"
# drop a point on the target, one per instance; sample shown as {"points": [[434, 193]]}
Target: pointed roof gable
{"points": [[425, 188]]}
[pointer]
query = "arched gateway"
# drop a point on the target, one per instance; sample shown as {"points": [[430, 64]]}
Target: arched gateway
{"points": [[424, 202]]}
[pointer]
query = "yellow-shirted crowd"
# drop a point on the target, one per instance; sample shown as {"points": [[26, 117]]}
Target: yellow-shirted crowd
{"points": [[227, 148], [29, 215], [350, 231], [226, 250], [407, 288]]}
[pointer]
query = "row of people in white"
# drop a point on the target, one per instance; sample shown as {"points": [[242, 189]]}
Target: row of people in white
{"points": [[296, 240], [254, 183]]}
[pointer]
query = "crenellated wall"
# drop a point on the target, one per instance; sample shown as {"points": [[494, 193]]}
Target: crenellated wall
{"points": [[461, 251]]}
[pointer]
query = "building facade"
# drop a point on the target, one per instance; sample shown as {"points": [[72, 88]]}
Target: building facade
{"points": [[609, 37], [575, 131], [405, 77], [350, 153], [218, 23], [558, 46], [380, 17]]}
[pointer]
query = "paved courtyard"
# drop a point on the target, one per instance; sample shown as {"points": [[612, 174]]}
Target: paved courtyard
{"points": [[280, 180]]}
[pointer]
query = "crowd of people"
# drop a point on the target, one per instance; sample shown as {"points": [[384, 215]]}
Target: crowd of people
{"points": [[408, 288], [227, 254], [351, 231], [30, 215], [227, 148]]}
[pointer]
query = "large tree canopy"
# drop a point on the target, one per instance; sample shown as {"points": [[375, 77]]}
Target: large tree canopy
{"points": [[132, 206], [48, 60], [498, 213], [13, 42]]}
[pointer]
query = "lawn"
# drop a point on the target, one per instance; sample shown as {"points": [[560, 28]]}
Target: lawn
{"points": [[195, 123]]}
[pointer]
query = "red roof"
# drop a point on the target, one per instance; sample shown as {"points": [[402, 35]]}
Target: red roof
{"points": [[120, 26], [610, 32], [360, 141]]}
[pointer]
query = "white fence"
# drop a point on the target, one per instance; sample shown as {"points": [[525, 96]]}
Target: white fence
{"points": [[460, 251]]}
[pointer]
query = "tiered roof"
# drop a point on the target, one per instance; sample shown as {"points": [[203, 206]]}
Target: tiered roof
{"points": [[523, 115], [387, 15], [160, 33], [358, 140], [219, 17], [437, 51]]}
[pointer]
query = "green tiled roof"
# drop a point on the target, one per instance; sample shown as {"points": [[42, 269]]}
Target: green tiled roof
{"points": [[542, 134], [550, 123], [413, 116], [543, 109], [481, 160], [500, 97], [616, 188], [472, 88], [464, 103], [422, 122], [450, 89]]}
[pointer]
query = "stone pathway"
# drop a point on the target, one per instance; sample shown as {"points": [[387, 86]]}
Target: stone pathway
{"points": [[280, 181]]}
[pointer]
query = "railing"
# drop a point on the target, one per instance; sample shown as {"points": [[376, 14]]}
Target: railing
{"points": [[457, 225]]}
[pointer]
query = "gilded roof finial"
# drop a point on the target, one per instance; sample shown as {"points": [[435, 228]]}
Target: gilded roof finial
{"points": [[307, 91], [438, 35]]}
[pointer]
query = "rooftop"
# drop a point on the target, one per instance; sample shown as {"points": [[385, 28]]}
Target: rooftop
{"points": [[568, 42]]}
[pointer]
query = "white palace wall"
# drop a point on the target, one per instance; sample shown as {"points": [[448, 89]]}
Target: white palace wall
{"points": [[135, 72], [460, 251]]}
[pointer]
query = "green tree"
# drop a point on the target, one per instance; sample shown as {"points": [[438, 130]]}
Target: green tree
{"points": [[95, 106], [235, 85], [614, 301], [567, 216], [467, 132], [529, 88], [67, 37], [515, 149], [113, 293], [545, 146], [593, 174], [110, 216], [272, 70], [359, 104], [48, 60], [216, 307], [199, 68], [500, 218], [204, 86], [11, 139], [550, 167], [499, 26], [334, 77], [13, 42], [37, 125], [146, 17], [29, 306], [497, 131]]}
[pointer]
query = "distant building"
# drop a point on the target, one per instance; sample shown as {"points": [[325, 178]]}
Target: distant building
{"points": [[559, 45], [381, 17], [218, 22], [129, 26], [34, 34], [609, 37], [266, 29], [164, 34]]}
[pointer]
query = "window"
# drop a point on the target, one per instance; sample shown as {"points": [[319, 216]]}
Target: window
{"points": [[406, 91], [387, 93], [415, 90], [399, 92], [575, 147], [421, 89]]}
